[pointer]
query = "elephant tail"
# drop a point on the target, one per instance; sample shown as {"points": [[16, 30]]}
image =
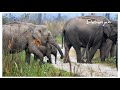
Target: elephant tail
{"points": [[63, 34]]}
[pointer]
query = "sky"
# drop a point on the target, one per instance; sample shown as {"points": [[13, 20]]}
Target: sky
{"points": [[68, 14]]}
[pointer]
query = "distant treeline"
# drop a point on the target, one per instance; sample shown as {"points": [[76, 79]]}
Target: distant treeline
{"points": [[39, 18]]}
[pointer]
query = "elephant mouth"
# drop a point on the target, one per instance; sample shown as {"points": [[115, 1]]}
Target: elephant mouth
{"points": [[36, 42]]}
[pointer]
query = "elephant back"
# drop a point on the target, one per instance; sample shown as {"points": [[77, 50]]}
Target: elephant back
{"points": [[18, 28], [97, 18]]}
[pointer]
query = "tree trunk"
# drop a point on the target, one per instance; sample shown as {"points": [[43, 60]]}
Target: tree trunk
{"points": [[39, 19]]}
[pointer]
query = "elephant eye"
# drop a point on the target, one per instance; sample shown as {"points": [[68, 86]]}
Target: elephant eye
{"points": [[48, 34], [40, 31]]}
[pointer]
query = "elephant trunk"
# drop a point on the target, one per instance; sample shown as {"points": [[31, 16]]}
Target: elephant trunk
{"points": [[57, 46]]}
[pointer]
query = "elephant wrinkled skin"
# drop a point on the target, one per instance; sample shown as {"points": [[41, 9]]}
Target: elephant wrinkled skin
{"points": [[21, 36], [82, 32]]}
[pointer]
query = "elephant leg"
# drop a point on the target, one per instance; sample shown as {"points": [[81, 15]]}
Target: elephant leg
{"points": [[78, 53], [87, 52], [67, 49], [35, 57], [48, 54], [55, 54], [108, 47], [112, 51], [33, 49], [55, 57], [27, 56], [49, 58], [92, 52], [102, 52], [82, 54]]}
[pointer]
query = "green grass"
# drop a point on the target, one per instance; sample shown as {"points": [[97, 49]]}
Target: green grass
{"points": [[58, 39], [108, 61], [17, 67]]}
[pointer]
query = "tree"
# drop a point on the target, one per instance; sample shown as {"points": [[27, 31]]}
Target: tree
{"points": [[116, 17], [39, 19], [93, 14], [25, 17], [5, 20], [82, 14], [59, 17], [107, 15]]}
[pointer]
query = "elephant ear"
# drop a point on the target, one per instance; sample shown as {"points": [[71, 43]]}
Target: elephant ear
{"points": [[106, 29], [37, 35]]}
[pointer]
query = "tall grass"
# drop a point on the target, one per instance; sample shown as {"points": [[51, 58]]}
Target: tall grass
{"points": [[14, 65]]}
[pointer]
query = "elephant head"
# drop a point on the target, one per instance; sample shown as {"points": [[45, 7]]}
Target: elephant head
{"points": [[52, 41], [46, 37], [110, 29], [113, 34], [39, 35]]}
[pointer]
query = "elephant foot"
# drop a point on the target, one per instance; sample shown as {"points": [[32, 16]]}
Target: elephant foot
{"points": [[89, 62], [48, 61], [26, 62], [102, 60], [61, 57], [41, 63], [82, 61], [66, 61]]}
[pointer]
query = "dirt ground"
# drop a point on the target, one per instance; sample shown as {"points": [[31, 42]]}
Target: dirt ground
{"points": [[84, 70]]}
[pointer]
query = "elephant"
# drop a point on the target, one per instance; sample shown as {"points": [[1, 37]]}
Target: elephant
{"points": [[88, 32], [26, 36], [21, 36], [109, 48], [51, 41], [47, 51], [110, 43], [106, 48]]}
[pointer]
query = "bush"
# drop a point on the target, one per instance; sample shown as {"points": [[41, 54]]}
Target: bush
{"points": [[5, 20]]}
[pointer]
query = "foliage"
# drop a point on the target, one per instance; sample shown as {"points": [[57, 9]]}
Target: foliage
{"points": [[108, 61], [14, 65], [58, 39], [5, 20]]}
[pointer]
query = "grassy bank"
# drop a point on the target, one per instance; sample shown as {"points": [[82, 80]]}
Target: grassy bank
{"points": [[108, 61], [15, 66]]}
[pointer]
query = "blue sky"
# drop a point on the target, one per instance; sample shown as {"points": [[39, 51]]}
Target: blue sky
{"points": [[112, 15]]}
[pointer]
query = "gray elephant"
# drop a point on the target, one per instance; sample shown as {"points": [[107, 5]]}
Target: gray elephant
{"points": [[109, 48], [88, 32], [47, 51], [106, 48], [109, 45], [51, 40], [26, 36]]}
